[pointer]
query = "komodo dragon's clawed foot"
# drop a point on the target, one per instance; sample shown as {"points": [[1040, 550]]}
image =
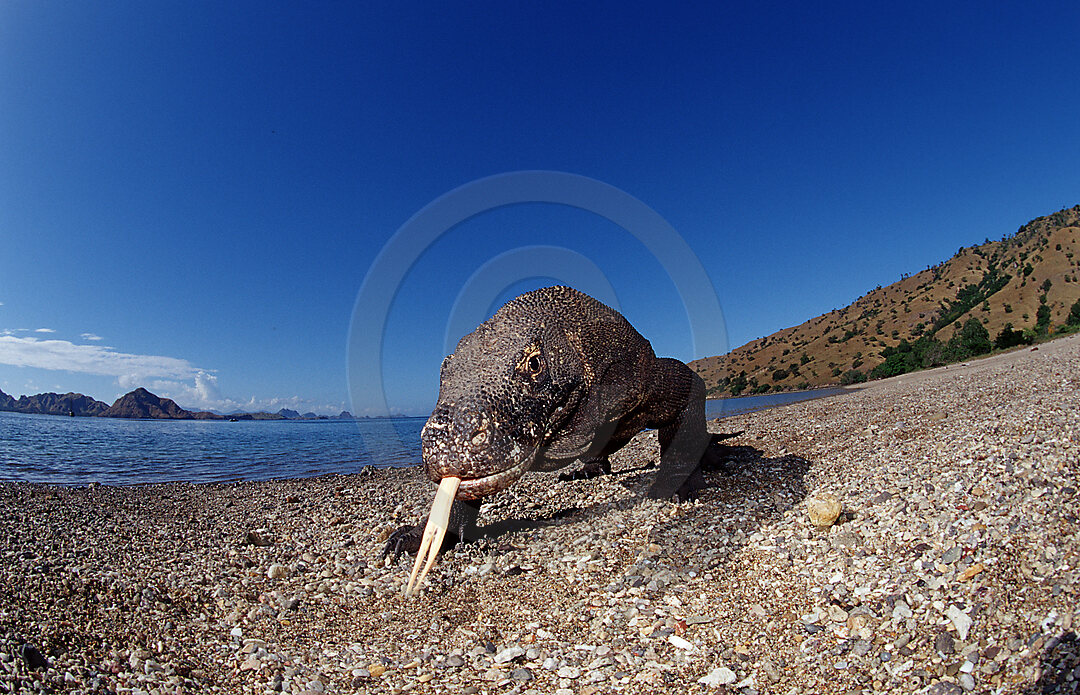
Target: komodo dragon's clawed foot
{"points": [[717, 456], [407, 539], [461, 526], [590, 470], [687, 491]]}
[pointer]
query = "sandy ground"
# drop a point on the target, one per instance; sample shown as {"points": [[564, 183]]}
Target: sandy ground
{"points": [[952, 568]]}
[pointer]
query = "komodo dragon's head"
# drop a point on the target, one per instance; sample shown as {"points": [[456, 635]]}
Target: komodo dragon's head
{"points": [[509, 383]]}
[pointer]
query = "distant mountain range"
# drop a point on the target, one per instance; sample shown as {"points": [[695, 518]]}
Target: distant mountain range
{"points": [[1025, 286], [140, 404]]}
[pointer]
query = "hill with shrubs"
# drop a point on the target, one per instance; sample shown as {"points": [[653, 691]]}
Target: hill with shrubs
{"points": [[1000, 294]]}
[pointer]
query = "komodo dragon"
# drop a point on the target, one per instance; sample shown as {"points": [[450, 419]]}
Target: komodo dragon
{"points": [[552, 378]]}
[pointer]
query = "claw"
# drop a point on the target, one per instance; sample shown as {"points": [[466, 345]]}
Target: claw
{"points": [[434, 531]]}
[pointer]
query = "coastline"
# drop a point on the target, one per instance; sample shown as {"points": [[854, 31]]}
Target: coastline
{"points": [[956, 562]]}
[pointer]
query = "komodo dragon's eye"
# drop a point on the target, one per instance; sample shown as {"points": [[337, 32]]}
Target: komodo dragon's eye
{"points": [[532, 363]]}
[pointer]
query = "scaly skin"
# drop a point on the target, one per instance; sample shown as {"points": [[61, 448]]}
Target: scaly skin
{"points": [[552, 378]]}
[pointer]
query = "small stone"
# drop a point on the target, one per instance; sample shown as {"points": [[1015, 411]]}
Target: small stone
{"points": [[376, 670], [259, 537], [837, 614], [960, 621], [944, 644], [944, 688], [951, 555], [509, 654], [568, 672], [454, 661], [680, 643], [522, 674], [823, 509], [277, 571], [966, 681], [424, 678], [718, 676], [32, 657], [970, 572]]}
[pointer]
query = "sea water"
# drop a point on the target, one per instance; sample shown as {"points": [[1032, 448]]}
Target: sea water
{"points": [[78, 450]]}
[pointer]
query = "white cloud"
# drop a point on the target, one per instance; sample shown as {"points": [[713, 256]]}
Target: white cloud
{"points": [[44, 330], [91, 359], [191, 387], [90, 336], [205, 394]]}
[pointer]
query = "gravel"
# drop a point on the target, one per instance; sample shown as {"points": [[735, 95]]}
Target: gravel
{"points": [[952, 567]]}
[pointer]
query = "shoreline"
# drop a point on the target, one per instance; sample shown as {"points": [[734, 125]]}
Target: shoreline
{"points": [[956, 562]]}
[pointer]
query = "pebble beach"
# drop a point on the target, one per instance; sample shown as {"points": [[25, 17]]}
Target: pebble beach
{"points": [[918, 535]]}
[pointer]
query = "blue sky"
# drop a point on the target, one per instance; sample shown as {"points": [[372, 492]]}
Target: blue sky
{"points": [[191, 194]]}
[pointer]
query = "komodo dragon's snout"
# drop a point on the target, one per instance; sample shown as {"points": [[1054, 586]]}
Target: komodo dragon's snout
{"points": [[501, 395]]}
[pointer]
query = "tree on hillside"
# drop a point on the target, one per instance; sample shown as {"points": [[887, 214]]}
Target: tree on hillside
{"points": [[975, 338], [738, 383], [852, 376], [970, 340], [1042, 319], [1008, 338], [1074, 315]]}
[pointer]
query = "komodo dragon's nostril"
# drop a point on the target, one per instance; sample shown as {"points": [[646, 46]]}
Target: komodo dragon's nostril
{"points": [[480, 437]]}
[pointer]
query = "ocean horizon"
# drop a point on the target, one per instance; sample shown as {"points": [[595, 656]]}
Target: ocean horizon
{"points": [[78, 451]]}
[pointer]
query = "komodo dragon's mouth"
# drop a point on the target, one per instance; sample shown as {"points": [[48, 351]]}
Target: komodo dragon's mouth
{"points": [[476, 488], [453, 488]]}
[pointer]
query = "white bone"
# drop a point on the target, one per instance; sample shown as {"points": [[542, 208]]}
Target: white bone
{"points": [[434, 531]]}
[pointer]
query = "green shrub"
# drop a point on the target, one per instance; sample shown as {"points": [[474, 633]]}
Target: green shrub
{"points": [[852, 376], [1074, 315], [1042, 319], [975, 338], [1008, 338]]}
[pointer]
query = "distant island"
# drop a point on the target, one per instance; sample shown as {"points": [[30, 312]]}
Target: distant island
{"points": [[139, 404]]}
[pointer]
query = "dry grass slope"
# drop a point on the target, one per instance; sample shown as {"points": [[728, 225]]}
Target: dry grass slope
{"points": [[818, 351]]}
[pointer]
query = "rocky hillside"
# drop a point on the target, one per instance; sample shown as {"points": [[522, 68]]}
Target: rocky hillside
{"points": [[997, 283], [53, 404], [141, 404]]}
